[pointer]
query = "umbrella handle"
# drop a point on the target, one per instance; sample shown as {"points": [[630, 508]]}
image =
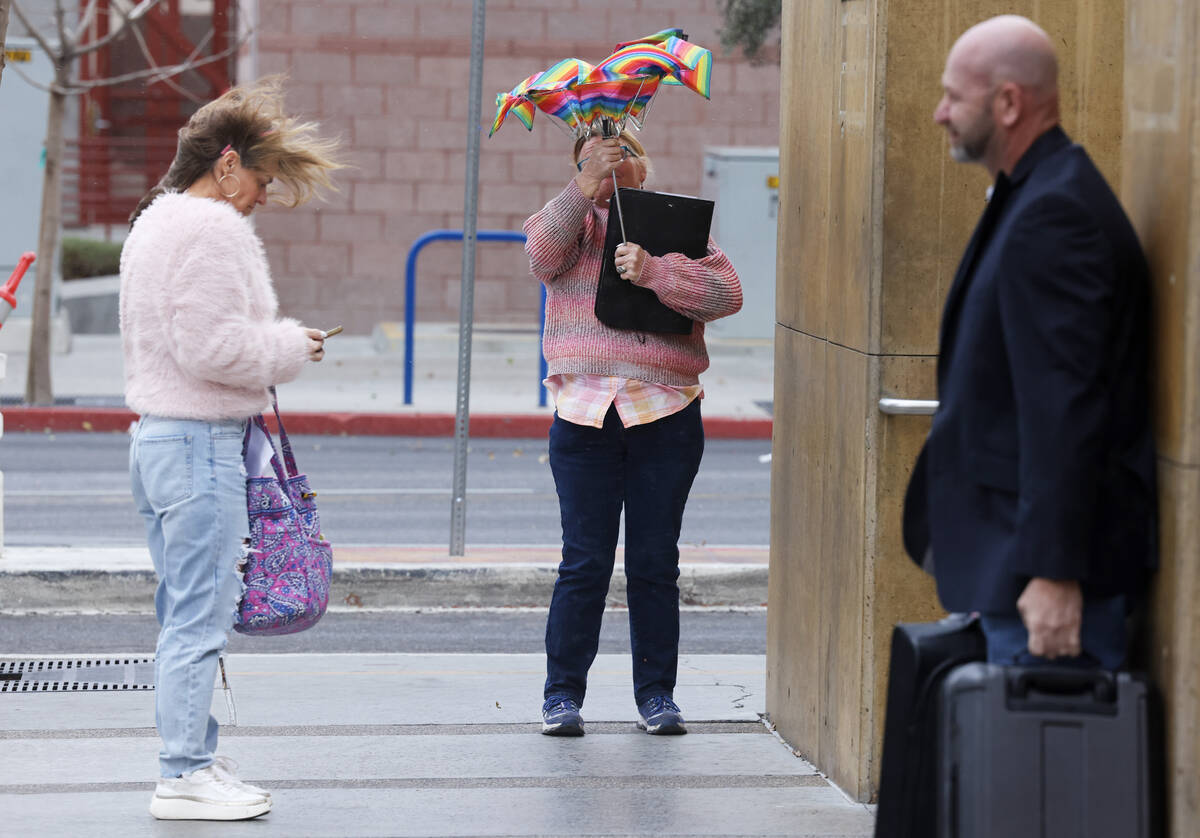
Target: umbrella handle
{"points": [[620, 215]]}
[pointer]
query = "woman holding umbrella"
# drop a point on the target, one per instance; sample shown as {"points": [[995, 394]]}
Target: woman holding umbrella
{"points": [[627, 433]]}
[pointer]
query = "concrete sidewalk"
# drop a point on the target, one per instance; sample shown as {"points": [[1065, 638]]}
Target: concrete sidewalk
{"points": [[399, 745], [429, 745], [359, 387]]}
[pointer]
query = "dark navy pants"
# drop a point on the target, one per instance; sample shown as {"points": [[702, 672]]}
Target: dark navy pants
{"points": [[648, 471]]}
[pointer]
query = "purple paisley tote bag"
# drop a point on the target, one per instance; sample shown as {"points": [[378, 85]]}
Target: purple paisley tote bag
{"points": [[289, 566]]}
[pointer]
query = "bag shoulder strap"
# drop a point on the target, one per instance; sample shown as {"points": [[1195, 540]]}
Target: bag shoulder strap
{"points": [[261, 424], [289, 458]]}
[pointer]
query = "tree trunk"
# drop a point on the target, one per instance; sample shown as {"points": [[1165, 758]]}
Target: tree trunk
{"points": [[37, 381], [4, 4]]}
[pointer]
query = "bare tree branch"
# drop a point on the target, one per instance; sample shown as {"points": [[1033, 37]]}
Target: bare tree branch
{"points": [[3, 32], [153, 74], [130, 19], [32, 31], [170, 82], [66, 44], [45, 88], [141, 39], [85, 20], [139, 10]]}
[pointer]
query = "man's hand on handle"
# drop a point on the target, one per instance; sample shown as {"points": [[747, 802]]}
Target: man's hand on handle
{"points": [[1052, 610]]}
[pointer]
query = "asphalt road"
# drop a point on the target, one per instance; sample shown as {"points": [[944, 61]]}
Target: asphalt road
{"points": [[73, 490], [711, 632]]}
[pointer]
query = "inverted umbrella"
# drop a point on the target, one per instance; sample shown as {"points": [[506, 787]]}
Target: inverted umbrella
{"points": [[656, 38], [588, 99], [550, 91], [585, 98]]}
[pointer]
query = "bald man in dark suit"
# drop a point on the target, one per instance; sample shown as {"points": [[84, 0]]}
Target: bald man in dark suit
{"points": [[1033, 501]]}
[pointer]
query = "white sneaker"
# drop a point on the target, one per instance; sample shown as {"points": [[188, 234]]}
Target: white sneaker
{"points": [[227, 769], [205, 795]]}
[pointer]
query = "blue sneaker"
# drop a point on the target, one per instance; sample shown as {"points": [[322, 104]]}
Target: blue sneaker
{"points": [[660, 716], [560, 717]]}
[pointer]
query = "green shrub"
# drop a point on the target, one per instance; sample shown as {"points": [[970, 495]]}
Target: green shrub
{"points": [[747, 23], [87, 257]]}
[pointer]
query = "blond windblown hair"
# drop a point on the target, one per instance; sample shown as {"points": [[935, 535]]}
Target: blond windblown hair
{"points": [[251, 120]]}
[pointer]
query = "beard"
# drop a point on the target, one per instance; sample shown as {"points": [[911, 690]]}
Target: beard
{"points": [[972, 144]]}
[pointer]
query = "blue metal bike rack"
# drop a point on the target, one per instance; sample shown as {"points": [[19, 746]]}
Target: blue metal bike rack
{"points": [[410, 300]]}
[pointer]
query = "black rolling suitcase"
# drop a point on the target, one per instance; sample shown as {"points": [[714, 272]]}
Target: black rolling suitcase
{"points": [[1042, 752], [922, 655]]}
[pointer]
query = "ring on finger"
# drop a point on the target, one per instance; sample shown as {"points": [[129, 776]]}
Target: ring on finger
{"points": [[620, 269]]}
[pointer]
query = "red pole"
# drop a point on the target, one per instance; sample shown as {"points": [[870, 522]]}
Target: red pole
{"points": [[9, 291]]}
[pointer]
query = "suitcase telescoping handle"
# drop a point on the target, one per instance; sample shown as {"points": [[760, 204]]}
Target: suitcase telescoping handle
{"points": [[1058, 686]]}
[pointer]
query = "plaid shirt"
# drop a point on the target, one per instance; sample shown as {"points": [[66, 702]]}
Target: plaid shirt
{"points": [[584, 399]]}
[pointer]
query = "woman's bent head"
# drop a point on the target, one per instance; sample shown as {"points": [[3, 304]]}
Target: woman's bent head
{"points": [[236, 145]]}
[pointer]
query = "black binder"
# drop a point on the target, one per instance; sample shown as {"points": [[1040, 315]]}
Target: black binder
{"points": [[660, 223]]}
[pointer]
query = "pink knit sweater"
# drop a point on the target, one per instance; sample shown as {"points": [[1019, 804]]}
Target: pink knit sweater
{"points": [[565, 243], [198, 314]]}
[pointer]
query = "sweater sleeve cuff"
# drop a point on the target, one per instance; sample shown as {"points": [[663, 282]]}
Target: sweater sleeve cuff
{"points": [[652, 272], [293, 350]]}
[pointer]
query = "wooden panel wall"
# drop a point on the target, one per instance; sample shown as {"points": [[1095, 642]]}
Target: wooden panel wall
{"points": [[1160, 187]]}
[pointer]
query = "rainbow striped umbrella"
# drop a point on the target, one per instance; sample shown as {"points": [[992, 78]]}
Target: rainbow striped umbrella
{"points": [[697, 65], [561, 75], [656, 38], [587, 99], [516, 102], [550, 91], [519, 106]]}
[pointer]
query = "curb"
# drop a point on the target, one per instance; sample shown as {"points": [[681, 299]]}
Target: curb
{"points": [[375, 588], [485, 425]]}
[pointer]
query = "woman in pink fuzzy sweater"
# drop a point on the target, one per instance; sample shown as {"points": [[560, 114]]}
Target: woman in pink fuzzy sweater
{"points": [[203, 342]]}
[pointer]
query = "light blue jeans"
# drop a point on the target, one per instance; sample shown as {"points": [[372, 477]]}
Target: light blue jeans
{"points": [[190, 487]]}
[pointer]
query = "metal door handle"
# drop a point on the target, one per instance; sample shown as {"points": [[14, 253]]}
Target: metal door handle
{"points": [[908, 407]]}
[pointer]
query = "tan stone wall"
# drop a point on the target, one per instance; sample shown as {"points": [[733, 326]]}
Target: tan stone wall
{"points": [[874, 217], [392, 77], [1160, 165]]}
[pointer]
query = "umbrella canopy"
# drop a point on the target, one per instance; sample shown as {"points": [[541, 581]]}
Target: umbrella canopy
{"points": [[587, 99]]}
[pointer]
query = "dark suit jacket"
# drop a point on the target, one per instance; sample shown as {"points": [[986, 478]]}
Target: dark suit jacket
{"points": [[1040, 460]]}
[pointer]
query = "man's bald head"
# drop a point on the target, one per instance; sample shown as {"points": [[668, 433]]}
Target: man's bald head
{"points": [[1009, 48], [1000, 91]]}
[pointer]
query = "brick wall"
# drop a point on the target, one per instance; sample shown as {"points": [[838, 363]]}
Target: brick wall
{"points": [[392, 79]]}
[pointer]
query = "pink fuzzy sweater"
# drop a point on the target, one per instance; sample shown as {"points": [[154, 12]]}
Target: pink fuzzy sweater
{"points": [[565, 243], [198, 314]]}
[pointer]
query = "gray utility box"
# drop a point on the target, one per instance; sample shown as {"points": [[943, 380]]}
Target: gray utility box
{"points": [[744, 182]]}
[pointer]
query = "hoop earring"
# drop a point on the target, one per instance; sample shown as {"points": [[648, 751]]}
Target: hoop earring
{"points": [[222, 190]]}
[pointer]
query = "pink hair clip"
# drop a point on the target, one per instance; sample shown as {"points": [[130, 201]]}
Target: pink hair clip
{"points": [[228, 148]]}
